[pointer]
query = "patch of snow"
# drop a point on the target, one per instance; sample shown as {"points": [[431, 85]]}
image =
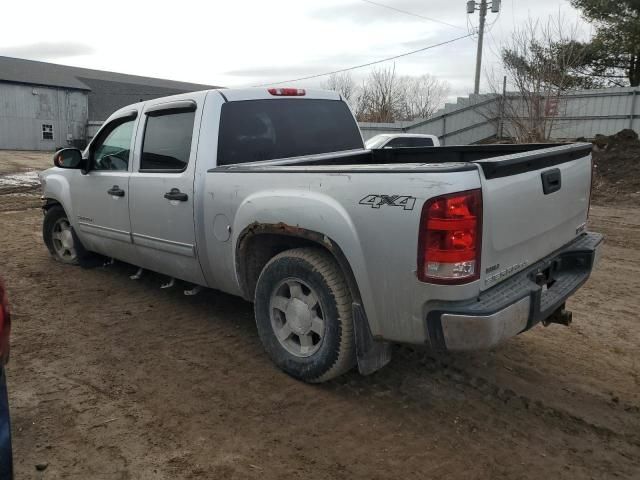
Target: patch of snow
{"points": [[23, 179]]}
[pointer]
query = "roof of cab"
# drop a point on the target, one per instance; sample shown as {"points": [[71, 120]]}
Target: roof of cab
{"points": [[260, 93], [232, 95]]}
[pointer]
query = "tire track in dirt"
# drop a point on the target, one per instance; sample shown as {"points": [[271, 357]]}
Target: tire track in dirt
{"points": [[448, 372]]}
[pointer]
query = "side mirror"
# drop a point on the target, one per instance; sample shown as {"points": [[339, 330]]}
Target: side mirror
{"points": [[68, 158]]}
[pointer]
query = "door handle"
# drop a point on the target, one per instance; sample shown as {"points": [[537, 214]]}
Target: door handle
{"points": [[176, 194], [116, 191]]}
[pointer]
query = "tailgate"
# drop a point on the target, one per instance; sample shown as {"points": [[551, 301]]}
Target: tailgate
{"points": [[533, 204]]}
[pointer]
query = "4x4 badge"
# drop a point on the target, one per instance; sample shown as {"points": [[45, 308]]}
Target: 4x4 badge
{"points": [[376, 201]]}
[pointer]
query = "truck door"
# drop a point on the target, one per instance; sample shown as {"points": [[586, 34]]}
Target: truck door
{"points": [[101, 197], [162, 195]]}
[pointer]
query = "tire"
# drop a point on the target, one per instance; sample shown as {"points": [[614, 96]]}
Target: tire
{"points": [[59, 237], [303, 314]]}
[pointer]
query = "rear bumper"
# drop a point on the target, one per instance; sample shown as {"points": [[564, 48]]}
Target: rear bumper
{"points": [[516, 304], [6, 461]]}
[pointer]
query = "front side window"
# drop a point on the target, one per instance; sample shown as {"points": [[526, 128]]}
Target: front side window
{"points": [[421, 142], [167, 142], [47, 131], [112, 148]]}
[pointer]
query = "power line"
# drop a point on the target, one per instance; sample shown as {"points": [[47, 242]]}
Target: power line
{"points": [[493, 44], [471, 28], [366, 64], [382, 5]]}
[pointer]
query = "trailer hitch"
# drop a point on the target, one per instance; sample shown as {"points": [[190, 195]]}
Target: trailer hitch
{"points": [[560, 316]]}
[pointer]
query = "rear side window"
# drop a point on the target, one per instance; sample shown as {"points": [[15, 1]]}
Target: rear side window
{"points": [[256, 130], [167, 142], [410, 142]]}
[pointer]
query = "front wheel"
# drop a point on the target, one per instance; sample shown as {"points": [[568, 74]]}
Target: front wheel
{"points": [[58, 236], [303, 314]]}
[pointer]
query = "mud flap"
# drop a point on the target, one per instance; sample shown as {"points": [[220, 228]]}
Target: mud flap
{"points": [[86, 259], [372, 355]]}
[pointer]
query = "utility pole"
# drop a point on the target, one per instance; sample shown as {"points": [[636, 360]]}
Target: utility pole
{"points": [[483, 16], [471, 8], [503, 101]]}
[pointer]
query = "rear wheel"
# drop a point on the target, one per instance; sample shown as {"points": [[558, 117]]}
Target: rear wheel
{"points": [[303, 314], [58, 236]]}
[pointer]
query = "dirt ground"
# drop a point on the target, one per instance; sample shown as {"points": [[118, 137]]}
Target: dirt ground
{"points": [[617, 168], [117, 379]]}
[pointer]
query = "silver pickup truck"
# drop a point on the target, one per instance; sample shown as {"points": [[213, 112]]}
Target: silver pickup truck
{"points": [[269, 194]]}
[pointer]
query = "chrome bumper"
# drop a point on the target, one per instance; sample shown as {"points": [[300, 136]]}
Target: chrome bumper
{"points": [[467, 332]]}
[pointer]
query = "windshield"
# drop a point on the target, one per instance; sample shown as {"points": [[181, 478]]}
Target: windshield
{"points": [[399, 141], [375, 142], [255, 130]]}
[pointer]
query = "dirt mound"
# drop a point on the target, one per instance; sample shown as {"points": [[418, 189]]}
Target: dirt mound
{"points": [[617, 168]]}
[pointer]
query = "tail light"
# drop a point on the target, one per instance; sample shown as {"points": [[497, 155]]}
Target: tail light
{"points": [[5, 325], [287, 92], [450, 239]]}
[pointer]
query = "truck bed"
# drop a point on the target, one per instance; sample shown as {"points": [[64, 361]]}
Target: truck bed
{"points": [[495, 160]]}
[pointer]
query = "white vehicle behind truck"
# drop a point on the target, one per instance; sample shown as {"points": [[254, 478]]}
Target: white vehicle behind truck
{"points": [[402, 140], [269, 194]]}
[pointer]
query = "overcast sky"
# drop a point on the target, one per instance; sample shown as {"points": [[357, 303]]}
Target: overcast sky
{"points": [[250, 42]]}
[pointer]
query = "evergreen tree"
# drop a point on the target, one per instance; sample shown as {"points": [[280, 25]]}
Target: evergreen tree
{"points": [[613, 55]]}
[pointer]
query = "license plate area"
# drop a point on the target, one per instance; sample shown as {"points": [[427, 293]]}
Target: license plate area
{"points": [[557, 278]]}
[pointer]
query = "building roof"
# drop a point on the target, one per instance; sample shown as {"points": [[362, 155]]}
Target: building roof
{"points": [[108, 91], [31, 72]]}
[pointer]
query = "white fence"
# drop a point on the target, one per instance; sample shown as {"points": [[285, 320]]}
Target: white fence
{"points": [[584, 113]]}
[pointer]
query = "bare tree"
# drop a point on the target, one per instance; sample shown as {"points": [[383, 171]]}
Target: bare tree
{"points": [[540, 60], [381, 97], [342, 83], [387, 97], [424, 95]]}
